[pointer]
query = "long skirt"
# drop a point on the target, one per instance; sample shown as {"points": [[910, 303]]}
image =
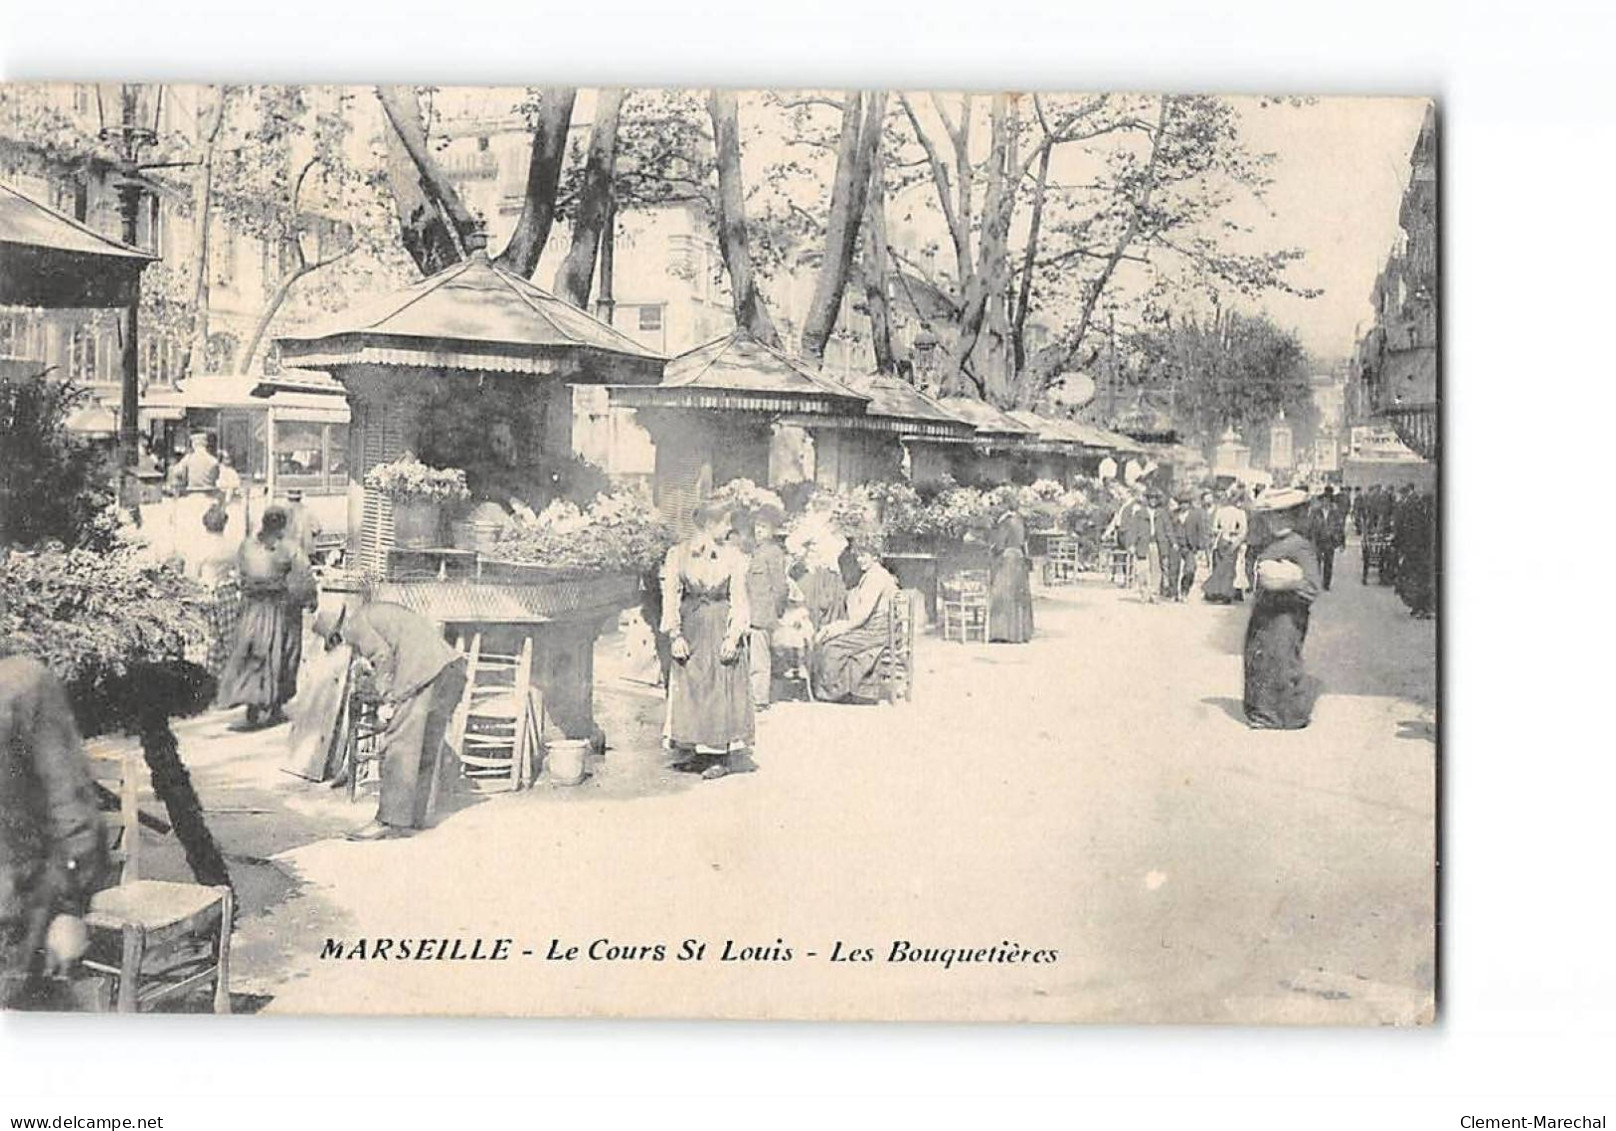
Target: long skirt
{"points": [[848, 666], [1219, 588], [223, 611], [1279, 694], [709, 701], [1010, 599], [269, 647]]}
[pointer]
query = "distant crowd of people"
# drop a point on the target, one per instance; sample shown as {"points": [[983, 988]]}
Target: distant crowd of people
{"points": [[1277, 547], [1399, 528]]}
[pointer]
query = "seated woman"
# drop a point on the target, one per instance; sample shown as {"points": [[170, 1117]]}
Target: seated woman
{"points": [[846, 658]]}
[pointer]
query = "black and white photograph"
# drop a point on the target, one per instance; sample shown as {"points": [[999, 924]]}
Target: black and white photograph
{"points": [[648, 552]]}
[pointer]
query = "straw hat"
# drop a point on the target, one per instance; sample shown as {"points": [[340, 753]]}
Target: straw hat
{"points": [[1281, 499]]}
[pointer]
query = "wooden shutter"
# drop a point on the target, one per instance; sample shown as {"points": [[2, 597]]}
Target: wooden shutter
{"points": [[379, 442]]}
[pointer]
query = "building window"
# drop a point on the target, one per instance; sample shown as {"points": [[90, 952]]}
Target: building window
{"points": [[82, 354], [19, 335], [650, 317], [482, 145], [299, 455]]}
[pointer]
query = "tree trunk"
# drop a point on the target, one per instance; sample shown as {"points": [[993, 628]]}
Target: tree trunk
{"points": [[874, 268], [988, 275], [855, 153], [171, 782], [577, 271], [548, 153], [606, 305], [751, 312], [196, 359], [436, 221], [1018, 328]]}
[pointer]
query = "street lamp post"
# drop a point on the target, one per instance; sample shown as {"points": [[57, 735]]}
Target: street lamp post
{"points": [[130, 123]]}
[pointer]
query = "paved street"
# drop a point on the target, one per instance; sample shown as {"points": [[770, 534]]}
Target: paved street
{"points": [[1092, 792]]}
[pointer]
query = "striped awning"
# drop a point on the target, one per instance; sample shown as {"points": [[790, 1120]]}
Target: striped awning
{"points": [[738, 373]]}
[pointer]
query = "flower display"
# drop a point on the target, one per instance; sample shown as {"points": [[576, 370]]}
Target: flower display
{"points": [[408, 478], [746, 495], [616, 533]]}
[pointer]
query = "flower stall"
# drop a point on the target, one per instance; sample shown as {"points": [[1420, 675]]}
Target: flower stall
{"points": [[999, 443], [734, 409], [471, 371]]}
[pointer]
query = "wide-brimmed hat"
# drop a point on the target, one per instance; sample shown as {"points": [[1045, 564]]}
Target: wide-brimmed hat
{"points": [[1281, 499]]}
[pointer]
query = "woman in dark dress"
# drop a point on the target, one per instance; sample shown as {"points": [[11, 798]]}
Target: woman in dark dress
{"points": [[1009, 584], [276, 586], [1279, 694], [705, 614]]}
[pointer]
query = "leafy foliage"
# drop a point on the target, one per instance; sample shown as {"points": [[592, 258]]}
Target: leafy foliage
{"points": [[96, 618], [1230, 371], [53, 484]]}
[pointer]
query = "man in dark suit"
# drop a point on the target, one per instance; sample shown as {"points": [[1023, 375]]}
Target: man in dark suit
{"points": [[1327, 529], [52, 846], [1197, 526], [418, 679]]}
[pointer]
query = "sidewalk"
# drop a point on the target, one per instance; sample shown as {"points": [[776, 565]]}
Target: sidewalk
{"points": [[1093, 791]]}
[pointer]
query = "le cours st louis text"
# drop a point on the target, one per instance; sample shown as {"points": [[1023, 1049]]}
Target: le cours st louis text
{"points": [[480, 949]]}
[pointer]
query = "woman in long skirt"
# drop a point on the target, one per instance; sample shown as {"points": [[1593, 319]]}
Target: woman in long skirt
{"points": [[1009, 584], [1279, 694], [1228, 532], [705, 615], [846, 658], [276, 586]]}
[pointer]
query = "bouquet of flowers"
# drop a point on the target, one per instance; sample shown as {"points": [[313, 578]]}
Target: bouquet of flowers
{"points": [[955, 512], [899, 507], [743, 494], [408, 478], [851, 512], [615, 533]]}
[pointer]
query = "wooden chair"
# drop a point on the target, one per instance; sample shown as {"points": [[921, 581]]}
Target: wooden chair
{"points": [[963, 604], [498, 726], [1061, 566], [1377, 553], [363, 743], [156, 939], [898, 661]]}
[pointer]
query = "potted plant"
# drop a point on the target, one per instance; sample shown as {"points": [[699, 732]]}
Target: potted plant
{"points": [[419, 493]]}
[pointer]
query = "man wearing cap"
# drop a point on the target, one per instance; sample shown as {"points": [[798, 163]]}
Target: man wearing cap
{"points": [[417, 678], [1279, 694], [1147, 566], [301, 525], [1327, 527]]}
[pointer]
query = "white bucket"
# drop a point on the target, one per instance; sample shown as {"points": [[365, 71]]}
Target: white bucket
{"points": [[566, 759]]}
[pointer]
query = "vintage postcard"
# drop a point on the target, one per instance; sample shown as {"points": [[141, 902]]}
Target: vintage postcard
{"points": [[828, 554]]}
